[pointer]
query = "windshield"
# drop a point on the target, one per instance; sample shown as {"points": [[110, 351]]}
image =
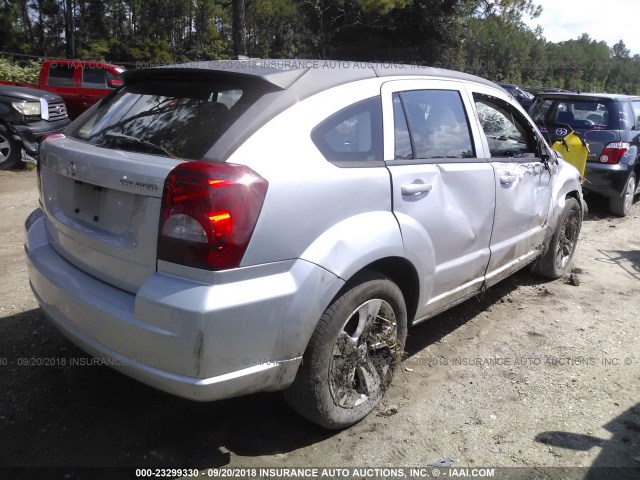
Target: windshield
{"points": [[178, 118]]}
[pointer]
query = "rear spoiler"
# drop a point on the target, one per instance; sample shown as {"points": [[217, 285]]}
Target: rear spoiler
{"points": [[279, 73]]}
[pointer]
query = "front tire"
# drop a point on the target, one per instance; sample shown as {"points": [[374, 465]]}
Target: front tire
{"points": [[352, 355], [621, 206], [556, 261], [9, 150]]}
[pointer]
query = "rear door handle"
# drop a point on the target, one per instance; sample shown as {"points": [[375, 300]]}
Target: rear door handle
{"points": [[508, 179], [414, 188]]}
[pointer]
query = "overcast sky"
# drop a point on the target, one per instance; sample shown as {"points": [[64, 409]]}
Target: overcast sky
{"points": [[609, 20]]}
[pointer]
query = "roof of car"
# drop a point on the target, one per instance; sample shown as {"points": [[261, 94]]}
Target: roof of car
{"points": [[288, 82], [584, 96], [317, 74]]}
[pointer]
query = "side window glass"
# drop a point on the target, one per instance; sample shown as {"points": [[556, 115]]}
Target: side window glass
{"points": [[402, 149], [636, 114], [60, 75], [625, 112], [93, 78], [352, 134], [540, 110], [507, 132], [437, 124]]}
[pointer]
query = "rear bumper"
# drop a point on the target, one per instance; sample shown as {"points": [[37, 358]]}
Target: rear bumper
{"points": [[606, 180], [195, 340]]}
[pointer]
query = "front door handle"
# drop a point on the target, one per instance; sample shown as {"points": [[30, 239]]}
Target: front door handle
{"points": [[414, 188], [508, 179]]}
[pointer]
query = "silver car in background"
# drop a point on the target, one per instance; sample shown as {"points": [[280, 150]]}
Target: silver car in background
{"points": [[223, 228]]}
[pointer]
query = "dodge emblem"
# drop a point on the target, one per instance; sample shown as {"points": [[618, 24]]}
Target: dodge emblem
{"points": [[562, 132], [73, 168]]}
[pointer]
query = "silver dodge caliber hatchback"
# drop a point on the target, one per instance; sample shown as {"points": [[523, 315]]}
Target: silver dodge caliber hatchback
{"points": [[225, 228]]}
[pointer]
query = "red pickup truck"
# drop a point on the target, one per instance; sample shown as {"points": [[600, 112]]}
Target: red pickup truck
{"points": [[80, 83]]}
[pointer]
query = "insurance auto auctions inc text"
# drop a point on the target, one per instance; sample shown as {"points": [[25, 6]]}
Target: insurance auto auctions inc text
{"points": [[355, 472]]}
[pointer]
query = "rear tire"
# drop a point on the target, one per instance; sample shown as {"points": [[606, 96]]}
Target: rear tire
{"points": [[9, 149], [621, 206], [352, 355], [556, 261]]}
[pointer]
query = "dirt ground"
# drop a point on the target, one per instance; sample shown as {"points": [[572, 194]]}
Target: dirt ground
{"points": [[531, 374]]}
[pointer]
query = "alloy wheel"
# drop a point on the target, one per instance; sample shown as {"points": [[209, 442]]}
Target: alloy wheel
{"points": [[568, 238], [365, 354]]}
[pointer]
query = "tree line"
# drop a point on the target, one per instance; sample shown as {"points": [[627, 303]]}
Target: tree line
{"points": [[484, 37]]}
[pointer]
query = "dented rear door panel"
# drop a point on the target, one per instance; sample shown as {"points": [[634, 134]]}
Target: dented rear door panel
{"points": [[444, 206]]}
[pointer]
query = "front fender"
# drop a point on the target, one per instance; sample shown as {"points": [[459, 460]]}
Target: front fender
{"points": [[567, 184]]}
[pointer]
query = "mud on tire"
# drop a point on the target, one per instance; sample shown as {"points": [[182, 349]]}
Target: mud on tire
{"points": [[352, 355], [556, 261]]}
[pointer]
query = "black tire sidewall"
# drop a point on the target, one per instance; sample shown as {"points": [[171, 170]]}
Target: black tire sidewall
{"points": [[320, 355], [549, 267], [632, 178], [14, 155], [617, 205]]}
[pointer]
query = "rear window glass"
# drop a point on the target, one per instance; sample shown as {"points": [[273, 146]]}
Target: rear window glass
{"points": [[177, 118], [578, 114]]}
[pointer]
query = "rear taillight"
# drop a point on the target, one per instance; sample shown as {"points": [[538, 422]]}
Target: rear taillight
{"points": [[614, 152], [209, 211]]}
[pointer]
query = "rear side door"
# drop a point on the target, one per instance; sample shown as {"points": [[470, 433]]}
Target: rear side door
{"points": [[443, 187], [523, 182]]}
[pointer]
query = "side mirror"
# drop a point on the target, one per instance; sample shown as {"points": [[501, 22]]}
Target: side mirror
{"points": [[114, 83], [545, 153]]}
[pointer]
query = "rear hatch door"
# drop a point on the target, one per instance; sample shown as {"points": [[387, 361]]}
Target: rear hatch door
{"points": [[102, 209], [102, 184], [595, 118]]}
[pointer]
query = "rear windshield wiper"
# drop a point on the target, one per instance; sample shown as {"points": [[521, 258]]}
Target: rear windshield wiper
{"points": [[138, 141]]}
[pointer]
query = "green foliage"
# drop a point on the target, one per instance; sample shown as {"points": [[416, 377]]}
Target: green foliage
{"points": [[484, 37], [276, 29], [510, 10], [382, 6], [95, 50], [13, 71], [505, 50]]}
